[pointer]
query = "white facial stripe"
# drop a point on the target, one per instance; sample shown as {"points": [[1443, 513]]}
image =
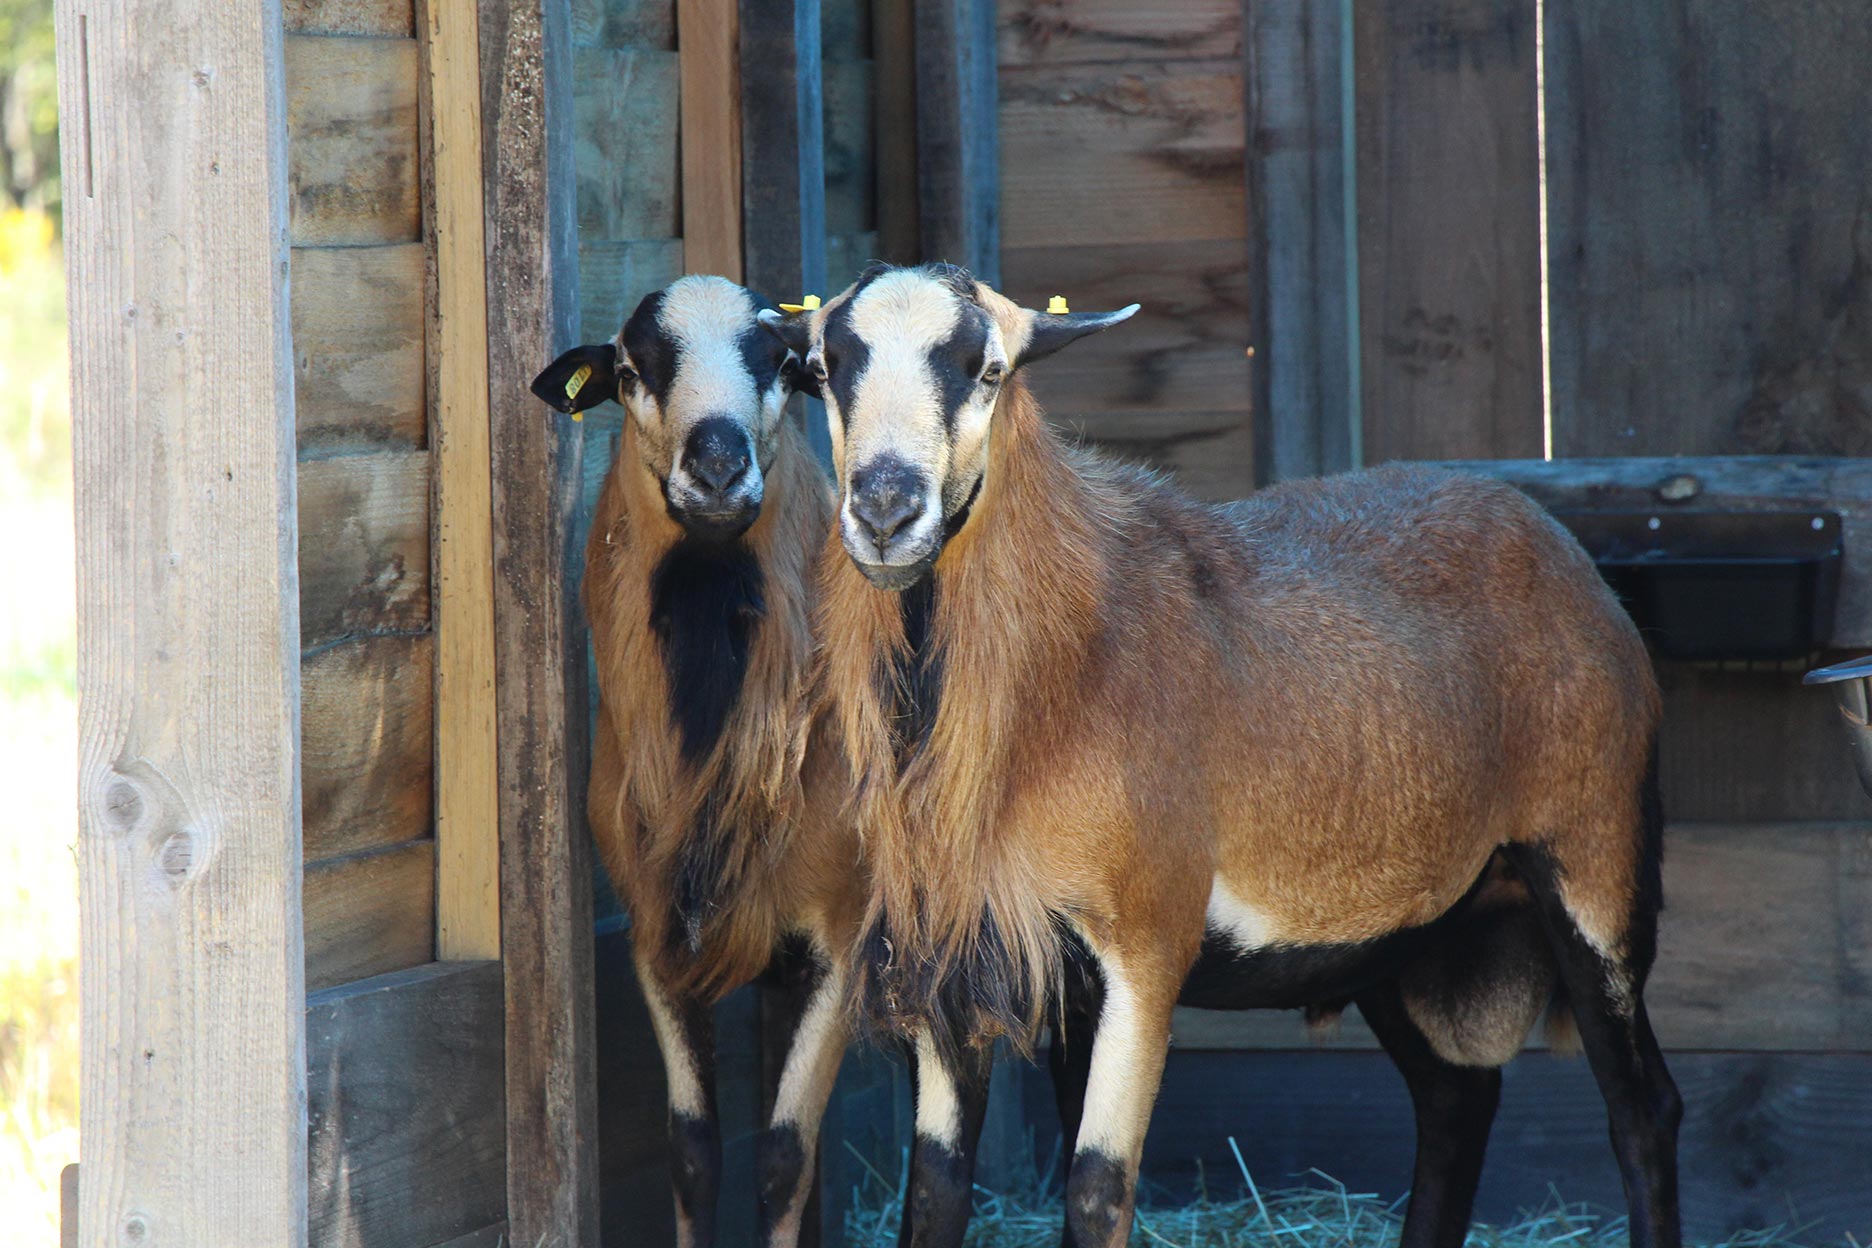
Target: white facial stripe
{"points": [[900, 317], [1246, 927], [938, 1108]]}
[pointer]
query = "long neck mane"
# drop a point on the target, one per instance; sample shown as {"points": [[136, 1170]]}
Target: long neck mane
{"points": [[1015, 605], [702, 652]]}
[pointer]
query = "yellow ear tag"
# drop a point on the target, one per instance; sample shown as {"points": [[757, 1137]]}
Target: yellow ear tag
{"points": [[575, 383], [809, 303], [1057, 305]]}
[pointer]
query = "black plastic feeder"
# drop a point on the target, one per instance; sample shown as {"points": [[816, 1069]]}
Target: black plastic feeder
{"points": [[1852, 685], [1708, 585]]}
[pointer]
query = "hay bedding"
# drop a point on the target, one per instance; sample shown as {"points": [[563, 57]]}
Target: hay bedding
{"points": [[1323, 1215]]}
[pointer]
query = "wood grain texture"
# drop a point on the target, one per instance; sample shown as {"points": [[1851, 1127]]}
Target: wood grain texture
{"points": [[406, 1106], [1305, 365], [491, 1236], [1135, 152], [624, 23], [357, 319], [1762, 946], [893, 51], [847, 255], [783, 179], [1057, 32], [546, 871], [351, 125], [1767, 1139], [467, 804], [850, 148], [1710, 229], [625, 105], [1449, 230], [192, 1069], [1185, 350], [958, 135], [363, 545], [708, 34], [349, 17], [367, 757], [614, 278], [369, 913], [1729, 483]]}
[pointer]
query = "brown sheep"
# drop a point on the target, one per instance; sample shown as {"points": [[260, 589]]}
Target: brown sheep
{"points": [[1382, 738], [724, 845]]}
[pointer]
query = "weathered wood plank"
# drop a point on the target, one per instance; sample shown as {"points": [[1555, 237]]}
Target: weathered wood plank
{"points": [[958, 132], [546, 873], [1055, 32], [1761, 947], [783, 186], [1139, 152], [625, 105], [368, 752], [467, 804], [363, 545], [1709, 227], [1449, 230], [1768, 1139], [407, 1107], [614, 278], [357, 317], [709, 39], [493, 1236], [1302, 301], [624, 24], [349, 17], [1185, 350], [351, 131], [175, 216], [893, 46], [850, 149], [845, 28], [369, 913], [848, 254], [1730, 483]]}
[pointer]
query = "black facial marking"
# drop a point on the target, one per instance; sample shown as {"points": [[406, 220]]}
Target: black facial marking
{"points": [[653, 352], [918, 676], [956, 361], [706, 599], [846, 356], [762, 354], [953, 525], [1097, 1196]]}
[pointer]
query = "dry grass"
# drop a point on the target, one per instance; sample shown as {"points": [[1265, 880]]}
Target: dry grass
{"points": [[38, 740], [1236, 1213]]}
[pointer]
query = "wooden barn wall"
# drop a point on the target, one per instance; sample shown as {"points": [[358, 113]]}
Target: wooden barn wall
{"points": [[358, 321], [1122, 132]]}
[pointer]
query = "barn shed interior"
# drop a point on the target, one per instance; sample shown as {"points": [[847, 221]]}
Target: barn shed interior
{"points": [[350, 971]]}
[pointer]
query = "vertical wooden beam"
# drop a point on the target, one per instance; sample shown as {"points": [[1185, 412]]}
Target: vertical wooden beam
{"points": [[708, 46], [546, 914], [174, 139], [467, 800], [958, 135], [893, 49], [1448, 189], [1305, 366]]}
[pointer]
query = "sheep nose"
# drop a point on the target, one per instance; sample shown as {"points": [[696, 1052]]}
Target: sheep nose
{"points": [[885, 499], [716, 454]]}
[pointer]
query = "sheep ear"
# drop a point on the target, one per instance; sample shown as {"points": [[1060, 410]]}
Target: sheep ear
{"points": [[799, 377], [1049, 331], [583, 377], [795, 330]]}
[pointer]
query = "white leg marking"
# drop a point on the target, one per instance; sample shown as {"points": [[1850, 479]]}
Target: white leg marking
{"points": [[939, 1109], [813, 1056], [679, 1062], [1127, 1065]]}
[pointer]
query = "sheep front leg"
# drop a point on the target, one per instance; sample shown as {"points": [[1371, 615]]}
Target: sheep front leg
{"points": [[951, 1092], [790, 1142], [685, 1032], [1129, 1046]]}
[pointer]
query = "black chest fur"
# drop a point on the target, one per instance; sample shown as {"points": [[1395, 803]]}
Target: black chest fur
{"points": [[706, 602], [916, 693]]}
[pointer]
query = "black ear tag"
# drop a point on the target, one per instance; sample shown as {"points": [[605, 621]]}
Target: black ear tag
{"points": [[583, 377]]}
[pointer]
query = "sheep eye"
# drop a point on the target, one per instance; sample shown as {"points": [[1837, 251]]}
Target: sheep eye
{"points": [[991, 376], [818, 366], [626, 375]]}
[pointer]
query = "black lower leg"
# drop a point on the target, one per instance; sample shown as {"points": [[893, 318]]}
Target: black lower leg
{"points": [[1455, 1108], [783, 1163], [1642, 1104], [695, 1150], [1069, 1061], [937, 1201]]}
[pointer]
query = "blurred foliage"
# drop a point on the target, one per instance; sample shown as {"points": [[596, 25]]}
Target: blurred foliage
{"points": [[29, 158], [35, 427]]}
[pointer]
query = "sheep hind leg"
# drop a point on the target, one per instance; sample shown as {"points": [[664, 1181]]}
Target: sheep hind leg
{"points": [[1455, 1108], [1605, 986], [1069, 1061], [951, 1095]]}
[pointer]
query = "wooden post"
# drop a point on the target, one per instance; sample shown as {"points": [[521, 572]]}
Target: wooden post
{"points": [[174, 143], [1303, 296], [467, 810], [708, 42], [958, 135], [893, 42], [546, 903]]}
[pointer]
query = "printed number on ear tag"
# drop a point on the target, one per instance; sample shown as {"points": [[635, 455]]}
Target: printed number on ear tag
{"points": [[574, 384]]}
